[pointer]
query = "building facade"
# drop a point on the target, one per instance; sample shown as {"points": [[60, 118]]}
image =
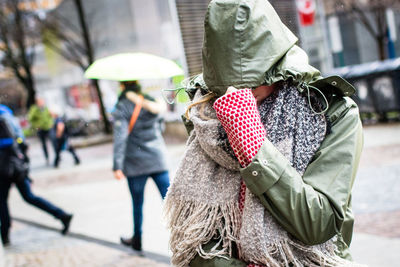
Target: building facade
{"points": [[174, 29], [116, 26]]}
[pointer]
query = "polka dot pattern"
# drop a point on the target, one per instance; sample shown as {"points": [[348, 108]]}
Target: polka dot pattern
{"points": [[240, 118]]}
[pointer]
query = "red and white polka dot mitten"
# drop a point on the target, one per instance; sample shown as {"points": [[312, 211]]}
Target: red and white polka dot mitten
{"points": [[238, 114]]}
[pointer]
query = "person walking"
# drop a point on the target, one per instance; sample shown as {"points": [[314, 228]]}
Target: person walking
{"points": [[272, 155], [139, 150], [41, 120], [14, 170], [61, 140]]}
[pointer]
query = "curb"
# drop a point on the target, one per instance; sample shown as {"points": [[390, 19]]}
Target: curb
{"points": [[79, 142]]}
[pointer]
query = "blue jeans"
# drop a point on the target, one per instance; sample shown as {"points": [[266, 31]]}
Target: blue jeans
{"points": [[136, 187], [24, 188]]}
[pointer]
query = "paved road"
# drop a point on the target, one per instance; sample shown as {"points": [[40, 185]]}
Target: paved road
{"points": [[102, 208]]}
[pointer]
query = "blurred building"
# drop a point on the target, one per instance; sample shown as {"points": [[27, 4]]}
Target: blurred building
{"points": [[174, 29], [12, 92], [115, 26], [353, 43]]}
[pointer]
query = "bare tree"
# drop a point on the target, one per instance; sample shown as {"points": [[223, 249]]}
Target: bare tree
{"points": [[371, 14], [73, 43], [18, 38]]}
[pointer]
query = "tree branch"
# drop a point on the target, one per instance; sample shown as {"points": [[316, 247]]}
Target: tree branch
{"points": [[63, 53], [362, 17]]}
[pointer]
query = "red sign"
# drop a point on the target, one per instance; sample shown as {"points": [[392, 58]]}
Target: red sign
{"points": [[306, 9]]}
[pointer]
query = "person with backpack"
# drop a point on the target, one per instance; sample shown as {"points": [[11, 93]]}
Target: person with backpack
{"points": [[15, 170]]}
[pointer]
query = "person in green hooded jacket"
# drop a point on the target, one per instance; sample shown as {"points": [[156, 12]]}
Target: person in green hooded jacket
{"points": [[41, 120], [273, 151]]}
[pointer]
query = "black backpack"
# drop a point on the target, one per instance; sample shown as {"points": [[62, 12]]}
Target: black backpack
{"points": [[13, 166], [5, 131]]}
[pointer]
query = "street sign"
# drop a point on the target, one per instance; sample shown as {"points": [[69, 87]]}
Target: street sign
{"points": [[306, 9]]}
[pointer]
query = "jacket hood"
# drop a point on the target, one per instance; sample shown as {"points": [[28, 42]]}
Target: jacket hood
{"points": [[244, 41]]}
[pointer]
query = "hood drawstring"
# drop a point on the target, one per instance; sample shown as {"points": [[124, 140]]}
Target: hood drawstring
{"points": [[304, 86]]}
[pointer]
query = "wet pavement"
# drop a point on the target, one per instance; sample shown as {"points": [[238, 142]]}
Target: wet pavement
{"points": [[102, 210]]}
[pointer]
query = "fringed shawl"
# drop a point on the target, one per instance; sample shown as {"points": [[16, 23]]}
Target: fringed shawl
{"points": [[202, 202]]}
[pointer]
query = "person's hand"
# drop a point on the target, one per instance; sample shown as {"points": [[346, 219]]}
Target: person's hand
{"points": [[237, 111], [132, 96], [118, 174]]}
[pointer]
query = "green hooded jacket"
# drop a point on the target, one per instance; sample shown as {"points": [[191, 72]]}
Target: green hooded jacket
{"points": [[40, 118], [247, 45]]}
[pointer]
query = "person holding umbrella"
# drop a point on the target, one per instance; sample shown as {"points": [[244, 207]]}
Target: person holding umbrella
{"points": [[139, 150]]}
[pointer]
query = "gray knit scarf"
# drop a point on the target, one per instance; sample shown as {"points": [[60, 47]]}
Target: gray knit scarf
{"points": [[202, 202]]}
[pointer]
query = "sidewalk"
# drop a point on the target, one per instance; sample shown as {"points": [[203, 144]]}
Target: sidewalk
{"points": [[101, 205], [34, 246], [376, 198], [102, 208]]}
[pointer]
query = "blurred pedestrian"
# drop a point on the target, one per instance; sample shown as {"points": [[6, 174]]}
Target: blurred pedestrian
{"points": [[61, 140], [267, 175], [14, 169], [139, 150], [41, 120]]}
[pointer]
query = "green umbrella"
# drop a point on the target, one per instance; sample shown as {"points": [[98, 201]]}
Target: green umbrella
{"points": [[133, 66]]}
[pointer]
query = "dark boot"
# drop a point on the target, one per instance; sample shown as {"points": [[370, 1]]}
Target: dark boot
{"points": [[5, 240], [137, 243], [134, 242], [66, 221], [76, 158], [56, 161], [77, 161]]}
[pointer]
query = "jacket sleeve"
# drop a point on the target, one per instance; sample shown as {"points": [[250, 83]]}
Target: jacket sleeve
{"points": [[121, 125], [313, 207], [32, 115]]}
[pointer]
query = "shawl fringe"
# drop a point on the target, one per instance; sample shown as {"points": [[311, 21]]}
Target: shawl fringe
{"points": [[194, 224], [287, 253]]}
